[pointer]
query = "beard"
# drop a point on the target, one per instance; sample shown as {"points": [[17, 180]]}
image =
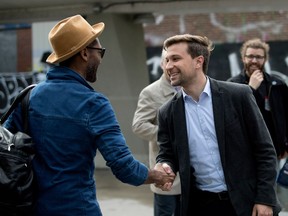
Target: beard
{"points": [[91, 73], [250, 67]]}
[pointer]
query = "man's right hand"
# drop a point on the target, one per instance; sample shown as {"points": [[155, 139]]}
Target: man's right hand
{"points": [[162, 176], [256, 79], [165, 168]]}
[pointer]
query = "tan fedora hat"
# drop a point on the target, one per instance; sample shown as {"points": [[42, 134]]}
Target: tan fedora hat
{"points": [[71, 35]]}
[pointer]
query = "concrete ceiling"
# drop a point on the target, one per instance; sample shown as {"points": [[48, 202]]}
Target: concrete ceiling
{"points": [[27, 11]]}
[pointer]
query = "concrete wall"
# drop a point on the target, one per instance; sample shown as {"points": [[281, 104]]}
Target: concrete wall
{"points": [[122, 74], [40, 42], [8, 47]]}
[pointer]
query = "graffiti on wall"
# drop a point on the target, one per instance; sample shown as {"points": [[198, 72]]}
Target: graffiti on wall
{"points": [[225, 61], [10, 86], [220, 27], [234, 33]]}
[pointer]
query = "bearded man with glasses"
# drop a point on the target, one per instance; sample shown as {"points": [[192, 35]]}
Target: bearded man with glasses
{"points": [[270, 91]]}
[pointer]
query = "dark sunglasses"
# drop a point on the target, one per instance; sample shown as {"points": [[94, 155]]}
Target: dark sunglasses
{"points": [[101, 50]]}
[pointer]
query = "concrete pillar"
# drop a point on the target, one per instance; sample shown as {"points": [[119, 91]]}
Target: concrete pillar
{"points": [[123, 74]]}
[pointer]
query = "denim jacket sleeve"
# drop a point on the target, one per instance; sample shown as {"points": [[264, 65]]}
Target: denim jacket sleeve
{"points": [[112, 145]]}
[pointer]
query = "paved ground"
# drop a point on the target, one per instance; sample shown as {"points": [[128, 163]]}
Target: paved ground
{"points": [[117, 199]]}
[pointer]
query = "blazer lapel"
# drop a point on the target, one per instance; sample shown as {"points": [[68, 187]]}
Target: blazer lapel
{"points": [[179, 119], [219, 116]]}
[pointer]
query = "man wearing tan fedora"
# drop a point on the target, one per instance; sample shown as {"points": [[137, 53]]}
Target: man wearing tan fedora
{"points": [[69, 121]]}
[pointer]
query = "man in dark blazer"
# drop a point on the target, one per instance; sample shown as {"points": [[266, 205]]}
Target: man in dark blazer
{"points": [[269, 90], [214, 134]]}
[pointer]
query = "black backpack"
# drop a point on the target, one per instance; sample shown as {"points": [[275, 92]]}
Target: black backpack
{"points": [[16, 174]]}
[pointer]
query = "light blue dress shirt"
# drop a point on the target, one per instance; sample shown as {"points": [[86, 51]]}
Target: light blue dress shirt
{"points": [[203, 145]]}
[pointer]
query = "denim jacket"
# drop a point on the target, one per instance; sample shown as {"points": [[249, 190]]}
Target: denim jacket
{"points": [[68, 122]]}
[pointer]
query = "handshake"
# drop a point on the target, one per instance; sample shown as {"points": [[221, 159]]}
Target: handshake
{"points": [[162, 176]]}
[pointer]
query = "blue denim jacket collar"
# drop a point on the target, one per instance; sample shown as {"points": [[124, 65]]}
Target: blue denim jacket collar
{"points": [[61, 72]]}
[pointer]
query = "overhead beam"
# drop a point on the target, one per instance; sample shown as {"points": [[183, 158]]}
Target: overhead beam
{"points": [[39, 14], [36, 14]]}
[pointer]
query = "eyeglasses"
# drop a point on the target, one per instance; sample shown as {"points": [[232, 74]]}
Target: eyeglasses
{"points": [[101, 50], [257, 57]]}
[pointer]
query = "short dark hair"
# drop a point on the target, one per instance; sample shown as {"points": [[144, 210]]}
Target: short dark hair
{"points": [[197, 45], [45, 56]]}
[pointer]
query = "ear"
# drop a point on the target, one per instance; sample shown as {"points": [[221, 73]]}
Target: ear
{"points": [[84, 54], [199, 61]]}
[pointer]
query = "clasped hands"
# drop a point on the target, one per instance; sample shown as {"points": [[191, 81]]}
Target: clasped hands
{"points": [[166, 178]]}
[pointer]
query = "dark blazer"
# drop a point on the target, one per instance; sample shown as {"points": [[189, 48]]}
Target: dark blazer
{"points": [[246, 150], [277, 96]]}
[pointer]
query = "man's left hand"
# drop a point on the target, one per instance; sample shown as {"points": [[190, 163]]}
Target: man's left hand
{"points": [[262, 210]]}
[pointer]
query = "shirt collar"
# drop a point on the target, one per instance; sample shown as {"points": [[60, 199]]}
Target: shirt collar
{"points": [[206, 90]]}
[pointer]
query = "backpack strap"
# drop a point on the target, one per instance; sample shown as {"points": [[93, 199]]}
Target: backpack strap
{"points": [[22, 96], [25, 108]]}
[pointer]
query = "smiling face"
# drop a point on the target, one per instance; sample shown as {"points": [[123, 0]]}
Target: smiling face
{"points": [[181, 67], [253, 60]]}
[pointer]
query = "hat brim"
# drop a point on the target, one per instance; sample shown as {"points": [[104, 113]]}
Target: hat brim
{"points": [[98, 29]]}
